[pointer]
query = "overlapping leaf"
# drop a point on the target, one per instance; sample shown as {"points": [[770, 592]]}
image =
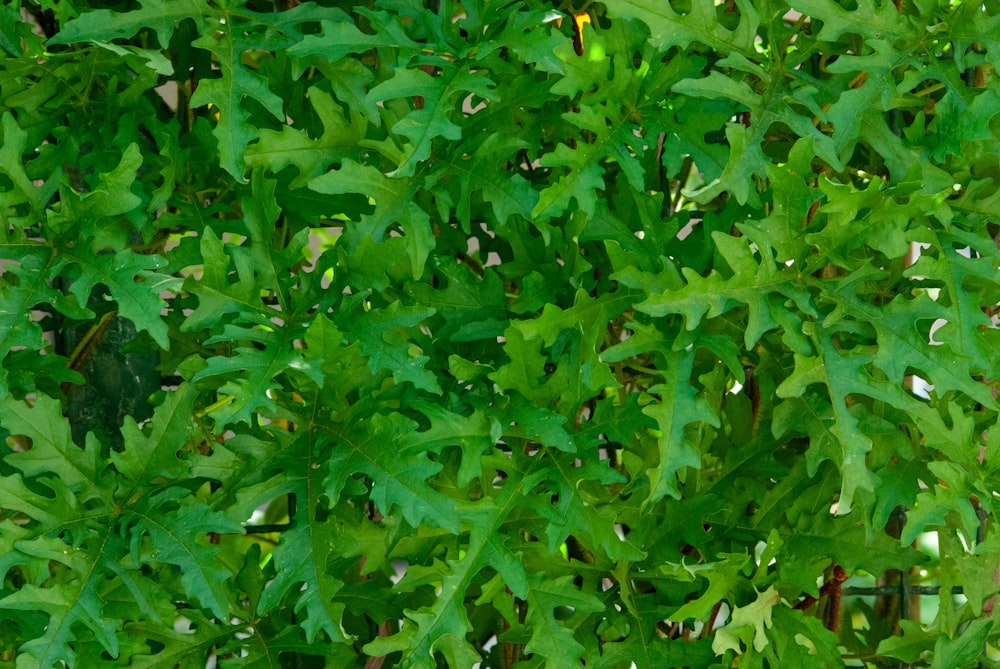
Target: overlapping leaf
{"points": [[591, 327], [395, 204], [92, 504], [443, 626]]}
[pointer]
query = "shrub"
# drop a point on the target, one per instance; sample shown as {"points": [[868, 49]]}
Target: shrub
{"points": [[637, 333]]}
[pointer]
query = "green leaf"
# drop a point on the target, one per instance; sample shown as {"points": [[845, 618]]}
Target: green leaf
{"points": [[535, 336], [933, 505], [370, 446], [179, 538], [552, 638], [764, 288], [178, 647], [747, 158], [476, 171], [226, 93], [678, 408], [133, 285], [382, 339], [260, 216], [10, 19], [218, 294], [587, 319], [440, 94], [52, 450], [278, 149], [724, 578], [966, 326], [302, 557], [647, 649], [835, 371], [574, 511], [339, 38], [911, 645], [14, 147], [474, 435], [902, 331], [525, 370], [669, 28], [531, 37], [535, 423], [441, 627], [394, 204], [22, 286], [152, 456], [748, 626], [817, 532], [584, 175], [161, 16], [114, 196], [68, 606], [471, 309], [898, 486], [801, 640], [868, 20], [249, 375]]}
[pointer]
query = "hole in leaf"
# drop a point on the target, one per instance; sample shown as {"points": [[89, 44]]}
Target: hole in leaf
{"points": [[19, 443], [562, 613]]}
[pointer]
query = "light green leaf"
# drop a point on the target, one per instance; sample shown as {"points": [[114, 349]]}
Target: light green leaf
{"points": [[52, 450], [910, 645], [669, 28], [724, 578], [964, 651], [749, 625]]}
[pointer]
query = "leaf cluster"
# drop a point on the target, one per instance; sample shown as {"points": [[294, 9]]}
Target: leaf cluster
{"points": [[498, 332]]}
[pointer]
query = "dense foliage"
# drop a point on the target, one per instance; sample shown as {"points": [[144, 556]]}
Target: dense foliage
{"points": [[429, 334]]}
